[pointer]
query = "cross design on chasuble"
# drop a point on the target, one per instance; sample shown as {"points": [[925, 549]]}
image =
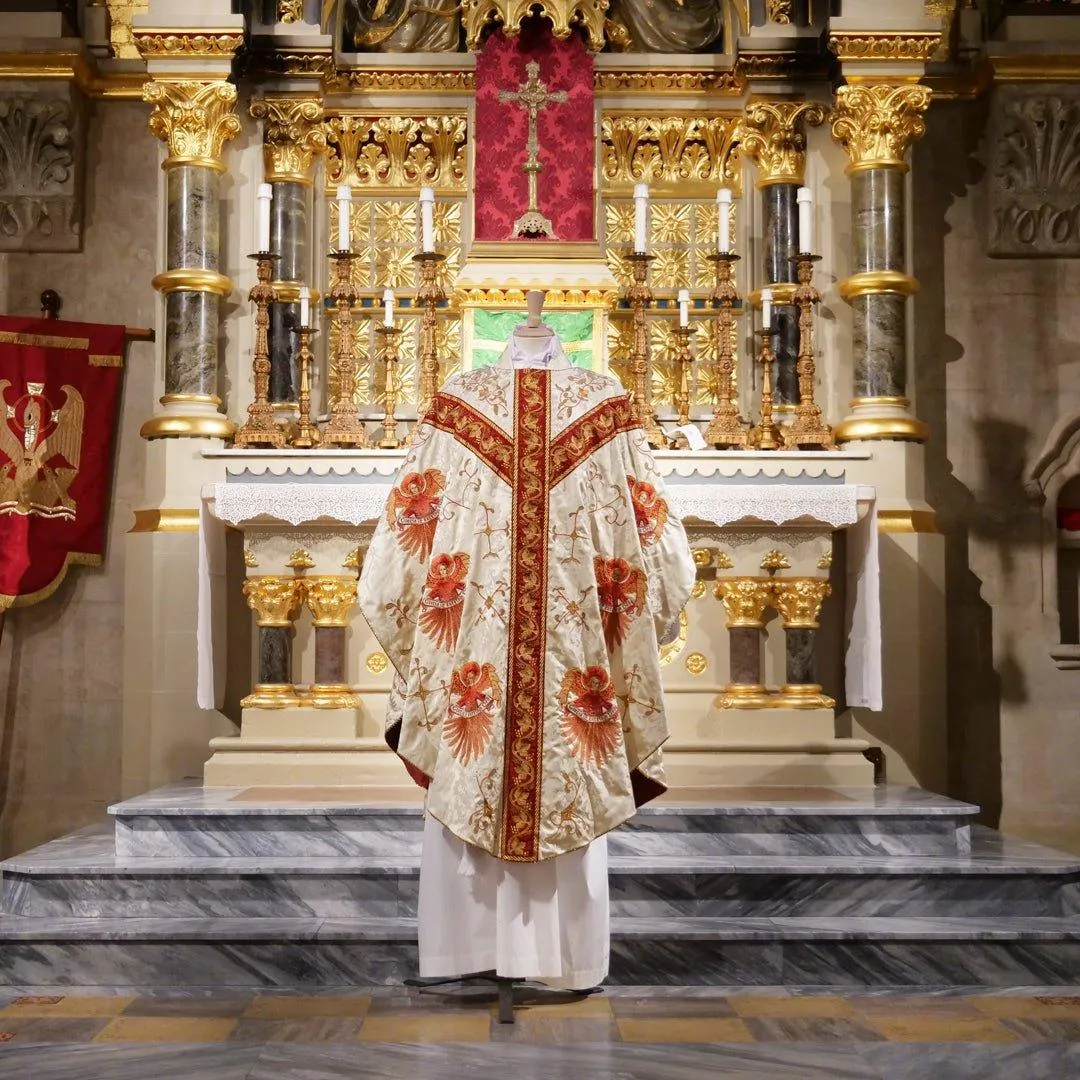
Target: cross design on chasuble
{"points": [[532, 95]]}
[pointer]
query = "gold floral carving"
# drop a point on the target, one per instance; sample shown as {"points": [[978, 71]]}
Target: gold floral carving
{"points": [[696, 663], [775, 560], [575, 298], [799, 600], [354, 560], [861, 45], [669, 82], [877, 123], [290, 11], [316, 63], [702, 556], [250, 558], [293, 134], [669, 151], [193, 45], [565, 16], [773, 135], [745, 599], [330, 598], [698, 591], [420, 81], [194, 119], [825, 562], [300, 560], [121, 37], [724, 561], [377, 663], [780, 11], [397, 151], [273, 598]]}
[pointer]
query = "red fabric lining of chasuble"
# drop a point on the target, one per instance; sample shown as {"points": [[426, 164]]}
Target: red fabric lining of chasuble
{"points": [[35, 549], [565, 131]]}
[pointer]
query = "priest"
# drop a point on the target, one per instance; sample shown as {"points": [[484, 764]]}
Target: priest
{"points": [[525, 569]]}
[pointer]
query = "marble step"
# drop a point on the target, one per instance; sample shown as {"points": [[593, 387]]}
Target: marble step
{"points": [[80, 876], [186, 820], [330, 953]]}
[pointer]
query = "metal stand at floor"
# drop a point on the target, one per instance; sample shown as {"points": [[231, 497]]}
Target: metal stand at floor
{"points": [[504, 987]]}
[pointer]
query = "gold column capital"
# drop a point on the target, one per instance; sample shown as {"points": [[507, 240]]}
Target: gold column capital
{"points": [[772, 133], [274, 598], [194, 118], [293, 134], [876, 123], [329, 599], [744, 599], [799, 600]]}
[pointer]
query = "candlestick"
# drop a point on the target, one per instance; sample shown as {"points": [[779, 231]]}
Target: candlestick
{"points": [[388, 307], [807, 428], [684, 358], [307, 434], [639, 296], [766, 309], [391, 339], [427, 219], [305, 306], [723, 221], [806, 219], [766, 435], [262, 217], [344, 206], [428, 294], [261, 427], [727, 428], [684, 307], [345, 426], [641, 218]]}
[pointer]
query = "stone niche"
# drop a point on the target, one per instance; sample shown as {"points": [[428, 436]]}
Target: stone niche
{"points": [[42, 136]]}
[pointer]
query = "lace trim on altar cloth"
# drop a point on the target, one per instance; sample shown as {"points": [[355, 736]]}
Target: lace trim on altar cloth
{"points": [[297, 503]]}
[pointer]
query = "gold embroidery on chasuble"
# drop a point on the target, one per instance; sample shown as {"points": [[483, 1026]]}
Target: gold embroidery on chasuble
{"points": [[587, 435], [475, 431]]}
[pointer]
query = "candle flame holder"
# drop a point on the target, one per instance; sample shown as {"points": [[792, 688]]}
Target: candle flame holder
{"points": [[261, 427], [807, 428], [727, 429]]}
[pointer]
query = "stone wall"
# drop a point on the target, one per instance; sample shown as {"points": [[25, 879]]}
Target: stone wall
{"points": [[61, 660], [997, 361]]}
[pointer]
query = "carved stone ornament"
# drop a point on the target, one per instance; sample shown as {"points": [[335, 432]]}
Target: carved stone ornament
{"points": [[293, 134], [877, 123], [1034, 190], [396, 152], [773, 135], [188, 45], [41, 133], [565, 16], [863, 45], [290, 11], [194, 119], [780, 11]]}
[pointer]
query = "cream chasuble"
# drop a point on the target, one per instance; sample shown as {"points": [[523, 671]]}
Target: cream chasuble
{"points": [[522, 574]]}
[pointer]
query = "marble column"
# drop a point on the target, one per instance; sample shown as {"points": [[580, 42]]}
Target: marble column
{"points": [[195, 119], [745, 601], [773, 136], [876, 123], [293, 136], [799, 602], [330, 599], [275, 600]]}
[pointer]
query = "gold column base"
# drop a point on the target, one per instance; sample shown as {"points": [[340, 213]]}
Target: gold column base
{"points": [[744, 696], [802, 696], [271, 696], [882, 418], [330, 696], [188, 416]]}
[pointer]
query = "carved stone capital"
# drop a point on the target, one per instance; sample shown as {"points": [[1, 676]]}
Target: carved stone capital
{"points": [[799, 600], [293, 134], [876, 123], [330, 598], [773, 135], [194, 119], [274, 598], [744, 599]]}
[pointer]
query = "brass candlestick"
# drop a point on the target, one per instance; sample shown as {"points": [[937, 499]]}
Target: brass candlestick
{"points": [[261, 427], [766, 435], [429, 294], [807, 428], [727, 428], [307, 434], [639, 296], [391, 342], [345, 426], [684, 359]]}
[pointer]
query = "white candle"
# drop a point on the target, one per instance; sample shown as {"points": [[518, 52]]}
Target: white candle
{"points": [[427, 219], [806, 221], [305, 307], [344, 208], [388, 307], [262, 217], [641, 218], [723, 221], [684, 307], [766, 309]]}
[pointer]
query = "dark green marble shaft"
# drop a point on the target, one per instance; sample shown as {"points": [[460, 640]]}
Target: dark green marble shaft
{"points": [[290, 217], [781, 246]]}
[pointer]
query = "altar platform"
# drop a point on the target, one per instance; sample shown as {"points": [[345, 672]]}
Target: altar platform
{"points": [[316, 888]]}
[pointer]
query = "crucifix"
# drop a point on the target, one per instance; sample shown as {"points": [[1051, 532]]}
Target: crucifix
{"points": [[533, 96]]}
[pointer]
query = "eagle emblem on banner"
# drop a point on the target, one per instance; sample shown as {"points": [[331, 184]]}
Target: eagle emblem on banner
{"points": [[40, 448]]}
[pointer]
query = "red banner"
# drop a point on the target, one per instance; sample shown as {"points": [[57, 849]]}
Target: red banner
{"points": [[565, 134], [59, 398]]}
